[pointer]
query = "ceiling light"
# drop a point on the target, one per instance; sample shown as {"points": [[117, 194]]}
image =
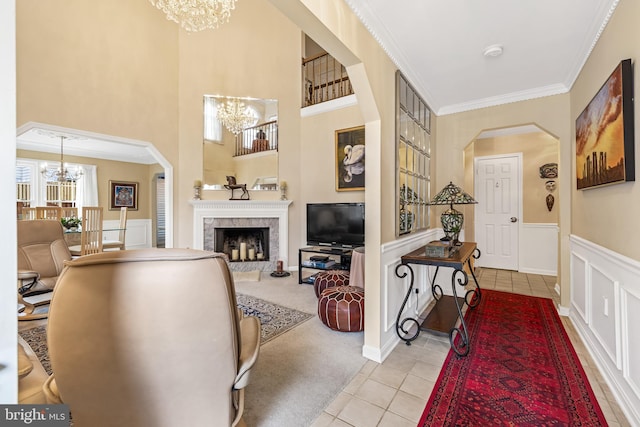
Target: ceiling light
{"points": [[62, 173], [235, 116], [493, 51], [196, 15]]}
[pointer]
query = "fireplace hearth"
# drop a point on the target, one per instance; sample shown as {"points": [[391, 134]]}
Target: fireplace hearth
{"points": [[231, 241], [210, 215]]}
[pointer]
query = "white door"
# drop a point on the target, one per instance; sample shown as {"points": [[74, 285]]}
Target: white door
{"points": [[497, 214]]}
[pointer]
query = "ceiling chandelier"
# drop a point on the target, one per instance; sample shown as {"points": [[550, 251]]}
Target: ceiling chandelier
{"points": [[62, 173], [196, 15], [235, 116]]}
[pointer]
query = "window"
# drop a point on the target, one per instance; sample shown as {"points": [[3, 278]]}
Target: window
{"points": [[413, 162], [34, 189]]}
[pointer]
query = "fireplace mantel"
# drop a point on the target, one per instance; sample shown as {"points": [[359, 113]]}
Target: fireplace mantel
{"points": [[243, 209]]}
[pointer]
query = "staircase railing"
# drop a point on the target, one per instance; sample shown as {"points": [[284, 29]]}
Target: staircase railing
{"points": [[324, 79], [262, 137]]}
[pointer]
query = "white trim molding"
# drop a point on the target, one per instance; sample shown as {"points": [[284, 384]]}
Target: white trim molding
{"points": [[605, 310]]}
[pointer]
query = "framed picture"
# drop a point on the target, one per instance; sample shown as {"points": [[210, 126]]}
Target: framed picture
{"points": [[123, 194], [350, 159], [604, 133]]}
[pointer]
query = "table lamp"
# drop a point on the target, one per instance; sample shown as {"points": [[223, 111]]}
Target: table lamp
{"points": [[452, 219]]}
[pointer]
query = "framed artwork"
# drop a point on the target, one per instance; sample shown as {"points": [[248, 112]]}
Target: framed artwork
{"points": [[123, 194], [350, 159], [604, 133]]}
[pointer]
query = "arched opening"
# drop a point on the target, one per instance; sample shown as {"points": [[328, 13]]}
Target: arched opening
{"points": [[516, 220], [108, 147]]}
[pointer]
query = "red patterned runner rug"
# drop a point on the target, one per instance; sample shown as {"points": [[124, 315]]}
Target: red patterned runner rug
{"points": [[521, 370]]}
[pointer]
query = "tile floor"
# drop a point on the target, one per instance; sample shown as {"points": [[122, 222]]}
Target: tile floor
{"points": [[394, 393]]}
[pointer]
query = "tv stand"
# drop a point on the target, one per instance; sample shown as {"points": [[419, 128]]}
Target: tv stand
{"points": [[337, 259]]}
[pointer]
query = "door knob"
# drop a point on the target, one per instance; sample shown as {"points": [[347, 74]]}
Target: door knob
{"points": [[514, 219]]}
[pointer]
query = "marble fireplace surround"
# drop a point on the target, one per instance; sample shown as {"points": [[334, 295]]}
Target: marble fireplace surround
{"points": [[210, 214]]}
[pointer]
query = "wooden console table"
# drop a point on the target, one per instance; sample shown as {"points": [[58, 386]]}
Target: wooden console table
{"points": [[444, 316]]}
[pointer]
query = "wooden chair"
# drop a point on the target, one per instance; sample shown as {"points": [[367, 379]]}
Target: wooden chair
{"points": [[69, 212], [91, 234], [29, 213], [118, 244], [48, 212]]}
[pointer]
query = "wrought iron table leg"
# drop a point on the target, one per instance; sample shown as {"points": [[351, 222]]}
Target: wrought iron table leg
{"points": [[472, 296], [462, 331], [401, 330]]}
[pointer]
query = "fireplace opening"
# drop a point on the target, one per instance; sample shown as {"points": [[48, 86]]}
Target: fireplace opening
{"points": [[243, 243]]}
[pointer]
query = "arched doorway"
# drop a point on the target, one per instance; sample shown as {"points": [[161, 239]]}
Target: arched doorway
{"points": [[533, 236]]}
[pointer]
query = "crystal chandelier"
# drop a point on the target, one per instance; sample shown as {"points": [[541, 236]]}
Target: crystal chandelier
{"points": [[62, 173], [196, 15], [235, 116]]}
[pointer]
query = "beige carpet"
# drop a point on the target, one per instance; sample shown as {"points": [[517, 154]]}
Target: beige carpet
{"points": [[301, 371]]}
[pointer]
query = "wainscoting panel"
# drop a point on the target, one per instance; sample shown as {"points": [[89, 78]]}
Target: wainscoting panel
{"points": [[538, 249], [606, 286], [394, 288], [630, 306], [579, 292], [138, 234], [603, 324]]}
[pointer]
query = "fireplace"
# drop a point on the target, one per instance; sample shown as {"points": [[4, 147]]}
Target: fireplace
{"points": [[242, 243], [209, 215]]}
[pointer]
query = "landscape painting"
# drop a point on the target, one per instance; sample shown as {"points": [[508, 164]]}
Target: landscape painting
{"points": [[604, 133]]}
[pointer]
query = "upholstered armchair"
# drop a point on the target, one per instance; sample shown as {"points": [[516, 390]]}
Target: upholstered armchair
{"points": [[150, 337], [42, 252]]}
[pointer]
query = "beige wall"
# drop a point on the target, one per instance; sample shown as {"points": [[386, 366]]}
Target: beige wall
{"points": [[238, 59], [456, 131], [105, 67], [111, 170], [318, 174], [537, 149], [601, 215]]}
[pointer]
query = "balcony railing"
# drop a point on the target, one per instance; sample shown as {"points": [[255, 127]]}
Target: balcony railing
{"points": [[263, 137], [324, 79]]}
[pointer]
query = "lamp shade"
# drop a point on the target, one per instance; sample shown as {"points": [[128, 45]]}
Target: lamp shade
{"points": [[452, 195], [452, 219]]}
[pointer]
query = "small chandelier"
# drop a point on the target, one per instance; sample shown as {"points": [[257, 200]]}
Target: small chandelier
{"points": [[235, 116], [62, 173], [196, 15]]}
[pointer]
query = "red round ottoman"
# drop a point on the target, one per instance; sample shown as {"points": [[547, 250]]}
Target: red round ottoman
{"points": [[329, 279], [342, 308]]}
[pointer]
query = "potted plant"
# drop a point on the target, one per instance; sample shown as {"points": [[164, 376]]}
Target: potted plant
{"points": [[71, 223]]}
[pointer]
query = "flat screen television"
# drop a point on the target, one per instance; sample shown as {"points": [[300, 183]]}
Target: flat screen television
{"points": [[335, 224]]}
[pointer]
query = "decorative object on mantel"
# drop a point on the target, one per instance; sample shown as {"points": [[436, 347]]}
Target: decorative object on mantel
{"points": [[197, 186], [283, 190], [549, 170], [232, 185], [196, 15], [550, 201], [550, 185], [452, 219]]}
